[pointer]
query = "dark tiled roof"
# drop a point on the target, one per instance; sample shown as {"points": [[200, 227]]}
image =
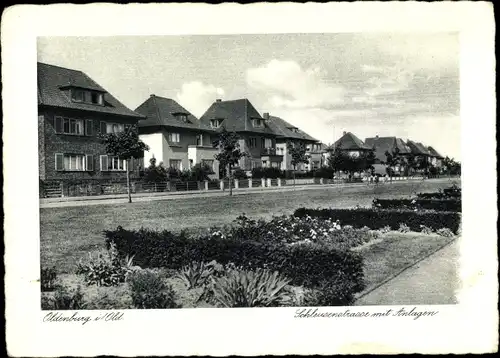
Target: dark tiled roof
{"points": [[52, 80], [237, 116], [434, 153], [286, 130], [159, 111], [350, 142], [384, 144], [417, 148]]}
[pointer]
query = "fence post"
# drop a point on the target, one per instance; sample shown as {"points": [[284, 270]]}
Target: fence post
{"points": [[250, 182], [279, 181], [168, 186], [62, 189], [236, 184], [269, 183], [321, 180], [222, 185], [263, 182], [206, 185]]}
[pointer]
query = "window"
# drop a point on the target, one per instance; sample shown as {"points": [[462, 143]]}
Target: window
{"points": [[181, 117], [258, 123], [268, 143], [96, 98], [108, 127], [74, 162], [208, 162], [252, 142], [85, 96], [69, 126], [77, 95], [191, 163], [176, 164], [174, 137], [110, 163], [199, 139], [215, 123]]}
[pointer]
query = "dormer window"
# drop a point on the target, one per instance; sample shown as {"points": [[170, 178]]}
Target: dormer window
{"points": [[258, 123], [181, 117], [87, 96], [215, 123], [294, 129]]}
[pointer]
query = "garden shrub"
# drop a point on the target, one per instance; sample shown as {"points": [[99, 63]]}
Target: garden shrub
{"points": [[445, 232], [64, 298], [385, 229], [195, 274], [444, 204], [426, 230], [148, 290], [377, 219], [251, 288], [48, 278], [105, 268], [403, 228], [337, 292], [303, 264]]}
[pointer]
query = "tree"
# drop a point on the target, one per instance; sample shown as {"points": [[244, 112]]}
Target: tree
{"points": [[365, 161], [229, 152], [125, 145], [298, 153], [451, 166], [155, 173], [341, 160], [393, 159]]}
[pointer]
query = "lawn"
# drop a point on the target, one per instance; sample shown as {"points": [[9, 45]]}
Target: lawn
{"points": [[395, 252], [68, 233]]}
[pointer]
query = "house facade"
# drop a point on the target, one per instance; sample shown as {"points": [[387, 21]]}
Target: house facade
{"points": [[288, 133], [175, 136], [381, 145], [351, 145], [420, 154], [72, 110], [435, 158], [257, 139], [315, 152]]}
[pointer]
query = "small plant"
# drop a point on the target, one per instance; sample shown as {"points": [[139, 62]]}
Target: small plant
{"points": [[105, 268], [445, 232], [385, 229], [426, 230], [336, 293], [403, 228], [247, 288], [148, 291], [48, 278], [64, 299], [195, 274]]}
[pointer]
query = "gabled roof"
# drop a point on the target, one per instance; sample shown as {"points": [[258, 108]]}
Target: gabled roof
{"points": [[54, 81], [350, 142], [386, 144], [286, 130], [160, 111], [237, 116], [417, 148], [434, 153]]}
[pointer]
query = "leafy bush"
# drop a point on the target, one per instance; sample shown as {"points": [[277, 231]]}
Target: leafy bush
{"points": [[148, 290], [324, 172], [195, 274], [445, 232], [385, 229], [105, 268], [64, 298], [48, 278], [251, 288], [239, 174], [377, 219], [331, 293], [262, 172], [403, 228], [419, 203], [303, 264], [453, 192]]}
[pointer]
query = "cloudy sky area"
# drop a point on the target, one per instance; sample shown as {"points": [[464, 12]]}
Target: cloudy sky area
{"points": [[404, 85]]}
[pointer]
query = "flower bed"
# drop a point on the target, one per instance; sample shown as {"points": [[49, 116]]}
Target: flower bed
{"points": [[419, 204], [378, 219]]}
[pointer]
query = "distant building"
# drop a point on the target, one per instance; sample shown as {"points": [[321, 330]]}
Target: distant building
{"points": [[436, 159], [351, 144], [381, 146]]}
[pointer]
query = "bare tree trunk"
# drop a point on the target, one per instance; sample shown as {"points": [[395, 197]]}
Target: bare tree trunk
{"points": [[294, 170], [230, 180], [128, 181]]}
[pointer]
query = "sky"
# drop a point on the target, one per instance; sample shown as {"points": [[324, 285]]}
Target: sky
{"points": [[400, 84]]}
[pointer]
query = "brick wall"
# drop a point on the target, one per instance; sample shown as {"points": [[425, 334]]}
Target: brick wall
{"points": [[51, 143]]}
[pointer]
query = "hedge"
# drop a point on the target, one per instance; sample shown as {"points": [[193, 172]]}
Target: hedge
{"points": [[309, 265], [377, 219], [425, 204]]}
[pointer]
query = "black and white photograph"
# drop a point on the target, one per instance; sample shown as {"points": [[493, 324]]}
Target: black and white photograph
{"points": [[314, 172]]}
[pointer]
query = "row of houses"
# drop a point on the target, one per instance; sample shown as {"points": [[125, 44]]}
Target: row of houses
{"points": [[420, 153], [73, 109]]}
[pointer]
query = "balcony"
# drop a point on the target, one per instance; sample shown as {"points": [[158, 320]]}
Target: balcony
{"points": [[268, 151]]}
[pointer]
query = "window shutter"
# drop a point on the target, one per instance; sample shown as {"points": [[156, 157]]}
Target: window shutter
{"points": [[59, 124], [127, 127], [104, 163], [89, 163], [88, 127], [103, 127], [59, 161]]}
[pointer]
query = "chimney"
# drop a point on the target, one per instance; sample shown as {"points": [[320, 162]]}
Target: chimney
{"points": [[344, 133], [218, 100], [151, 95], [376, 136], [265, 115]]}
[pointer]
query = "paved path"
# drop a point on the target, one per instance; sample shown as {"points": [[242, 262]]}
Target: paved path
{"points": [[140, 197], [435, 280]]}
